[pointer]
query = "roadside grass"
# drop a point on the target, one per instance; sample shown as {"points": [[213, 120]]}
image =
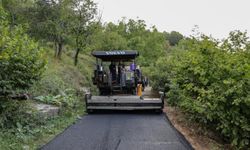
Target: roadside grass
{"points": [[62, 74], [59, 76], [39, 135]]}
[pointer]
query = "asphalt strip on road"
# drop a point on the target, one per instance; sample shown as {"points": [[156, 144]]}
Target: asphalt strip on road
{"points": [[122, 131]]}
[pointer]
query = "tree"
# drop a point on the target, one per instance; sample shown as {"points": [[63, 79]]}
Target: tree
{"points": [[50, 21], [237, 41], [17, 10], [84, 12], [21, 59], [173, 37], [113, 41], [149, 42], [211, 83], [154, 47]]}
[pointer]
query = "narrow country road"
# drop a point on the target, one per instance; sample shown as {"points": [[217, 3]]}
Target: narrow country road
{"points": [[120, 131]]}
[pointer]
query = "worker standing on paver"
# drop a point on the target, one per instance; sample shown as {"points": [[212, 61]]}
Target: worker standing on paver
{"points": [[112, 69]]}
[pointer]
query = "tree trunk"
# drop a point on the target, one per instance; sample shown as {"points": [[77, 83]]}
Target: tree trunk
{"points": [[12, 22], [76, 55], [56, 50], [60, 46]]}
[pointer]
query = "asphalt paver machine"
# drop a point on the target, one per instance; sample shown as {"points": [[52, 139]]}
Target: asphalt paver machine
{"points": [[120, 81]]}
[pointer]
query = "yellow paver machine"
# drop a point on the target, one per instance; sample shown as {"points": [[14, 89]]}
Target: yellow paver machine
{"points": [[120, 83]]}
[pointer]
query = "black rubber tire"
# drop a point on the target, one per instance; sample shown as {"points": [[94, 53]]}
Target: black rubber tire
{"points": [[158, 111], [90, 111]]}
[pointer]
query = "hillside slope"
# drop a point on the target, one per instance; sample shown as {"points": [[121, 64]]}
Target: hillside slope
{"points": [[61, 84]]}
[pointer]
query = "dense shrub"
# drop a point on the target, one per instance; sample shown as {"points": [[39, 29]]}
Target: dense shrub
{"points": [[49, 84], [18, 115], [21, 63], [66, 98], [21, 60], [210, 82]]}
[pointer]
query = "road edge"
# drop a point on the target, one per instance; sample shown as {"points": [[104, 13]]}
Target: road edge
{"points": [[182, 138]]}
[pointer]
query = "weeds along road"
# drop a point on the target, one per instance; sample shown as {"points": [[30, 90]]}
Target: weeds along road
{"points": [[123, 131]]}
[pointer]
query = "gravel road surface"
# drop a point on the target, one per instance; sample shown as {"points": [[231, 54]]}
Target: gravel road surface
{"points": [[120, 132]]}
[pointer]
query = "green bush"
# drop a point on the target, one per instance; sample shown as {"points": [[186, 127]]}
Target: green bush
{"points": [[18, 115], [210, 82], [50, 84], [21, 59], [67, 98], [21, 64]]}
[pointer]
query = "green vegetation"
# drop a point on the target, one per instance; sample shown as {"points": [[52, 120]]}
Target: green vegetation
{"points": [[37, 131], [173, 37], [29, 67], [22, 127], [211, 81], [21, 59], [45, 51]]}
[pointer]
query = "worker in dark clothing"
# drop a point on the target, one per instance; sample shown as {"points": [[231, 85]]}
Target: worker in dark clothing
{"points": [[112, 69], [121, 73], [123, 76], [138, 73]]}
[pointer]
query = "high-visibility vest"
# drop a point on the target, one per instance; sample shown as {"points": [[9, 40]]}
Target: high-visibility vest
{"points": [[139, 89]]}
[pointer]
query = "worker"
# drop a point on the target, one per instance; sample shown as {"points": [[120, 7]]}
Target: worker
{"points": [[139, 89], [123, 75], [112, 68], [119, 73], [132, 66], [138, 73]]}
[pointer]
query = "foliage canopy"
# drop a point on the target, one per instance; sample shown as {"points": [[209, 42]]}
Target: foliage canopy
{"points": [[21, 59], [211, 82]]}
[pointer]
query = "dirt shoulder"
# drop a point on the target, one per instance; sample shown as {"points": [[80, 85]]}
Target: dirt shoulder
{"points": [[197, 136]]}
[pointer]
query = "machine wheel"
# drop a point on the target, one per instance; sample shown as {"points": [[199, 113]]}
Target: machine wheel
{"points": [[90, 111], [133, 92], [159, 111]]}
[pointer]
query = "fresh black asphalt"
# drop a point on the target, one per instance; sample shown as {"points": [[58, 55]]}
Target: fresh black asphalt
{"points": [[123, 131]]}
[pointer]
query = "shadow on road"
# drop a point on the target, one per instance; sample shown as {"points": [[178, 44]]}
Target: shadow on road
{"points": [[125, 112]]}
